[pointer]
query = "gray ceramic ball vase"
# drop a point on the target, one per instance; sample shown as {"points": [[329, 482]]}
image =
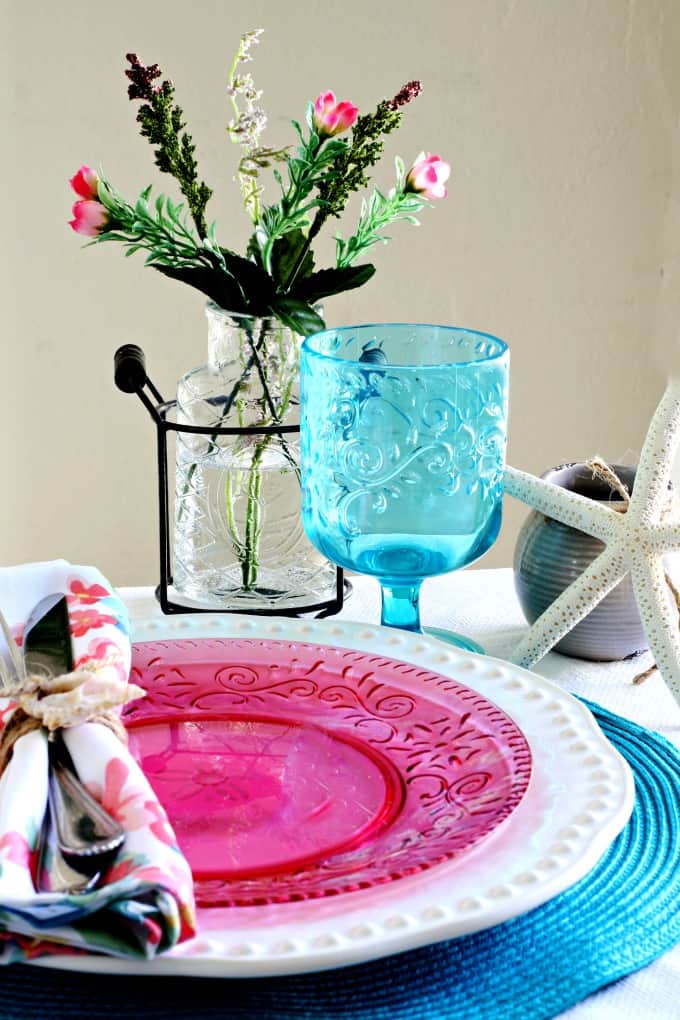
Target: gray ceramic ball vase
{"points": [[549, 556]]}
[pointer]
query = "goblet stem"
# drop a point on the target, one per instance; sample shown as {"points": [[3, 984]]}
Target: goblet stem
{"points": [[400, 606]]}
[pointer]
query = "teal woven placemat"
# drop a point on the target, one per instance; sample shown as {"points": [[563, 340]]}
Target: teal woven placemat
{"points": [[617, 919]]}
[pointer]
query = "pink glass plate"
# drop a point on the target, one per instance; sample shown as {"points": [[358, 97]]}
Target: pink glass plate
{"points": [[292, 771]]}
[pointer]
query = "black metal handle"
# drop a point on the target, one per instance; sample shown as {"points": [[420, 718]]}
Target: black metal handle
{"points": [[129, 368]]}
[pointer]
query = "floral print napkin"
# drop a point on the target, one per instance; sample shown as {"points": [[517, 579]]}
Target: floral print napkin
{"points": [[144, 905]]}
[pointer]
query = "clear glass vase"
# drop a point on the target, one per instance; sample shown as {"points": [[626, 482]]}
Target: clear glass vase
{"points": [[238, 537]]}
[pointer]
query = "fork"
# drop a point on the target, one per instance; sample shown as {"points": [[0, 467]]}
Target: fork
{"points": [[87, 837]]}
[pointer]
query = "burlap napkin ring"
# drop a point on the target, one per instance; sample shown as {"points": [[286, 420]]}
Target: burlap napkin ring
{"points": [[60, 702]]}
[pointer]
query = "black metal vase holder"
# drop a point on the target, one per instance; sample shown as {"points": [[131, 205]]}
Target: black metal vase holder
{"points": [[130, 377]]}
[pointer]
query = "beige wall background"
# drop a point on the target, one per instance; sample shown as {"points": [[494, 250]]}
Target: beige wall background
{"points": [[560, 233]]}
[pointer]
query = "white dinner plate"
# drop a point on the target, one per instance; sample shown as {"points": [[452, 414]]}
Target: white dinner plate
{"points": [[579, 798]]}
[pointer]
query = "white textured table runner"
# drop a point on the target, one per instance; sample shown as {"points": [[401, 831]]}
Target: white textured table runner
{"points": [[482, 605]]}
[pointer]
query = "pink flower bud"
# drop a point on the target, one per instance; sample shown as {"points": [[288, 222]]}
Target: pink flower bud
{"points": [[89, 218], [427, 176], [84, 182], [331, 117]]}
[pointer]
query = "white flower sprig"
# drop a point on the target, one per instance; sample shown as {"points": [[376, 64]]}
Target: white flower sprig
{"points": [[246, 127]]}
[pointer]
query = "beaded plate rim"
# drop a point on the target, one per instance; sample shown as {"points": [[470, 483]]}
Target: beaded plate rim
{"points": [[425, 909]]}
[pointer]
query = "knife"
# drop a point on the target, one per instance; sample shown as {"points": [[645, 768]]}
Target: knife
{"points": [[86, 835]]}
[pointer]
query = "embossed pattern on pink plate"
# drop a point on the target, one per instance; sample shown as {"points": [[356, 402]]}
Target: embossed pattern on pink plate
{"points": [[292, 771]]}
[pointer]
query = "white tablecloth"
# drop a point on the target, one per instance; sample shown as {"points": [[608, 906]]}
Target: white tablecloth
{"points": [[482, 604]]}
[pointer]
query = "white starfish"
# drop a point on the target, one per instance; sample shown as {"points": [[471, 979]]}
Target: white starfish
{"points": [[635, 542]]}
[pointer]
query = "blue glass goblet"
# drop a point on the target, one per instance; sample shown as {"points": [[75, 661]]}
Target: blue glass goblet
{"points": [[403, 435]]}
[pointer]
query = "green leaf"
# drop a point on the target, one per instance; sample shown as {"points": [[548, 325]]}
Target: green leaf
{"points": [[332, 281], [285, 253], [297, 315], [253, 250], [255, 282], [333, 147], [109, 235], [309, 117], [218, 286]]}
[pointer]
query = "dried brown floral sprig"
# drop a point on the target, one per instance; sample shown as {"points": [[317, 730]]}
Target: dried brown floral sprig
{"points": [[162, 124]]}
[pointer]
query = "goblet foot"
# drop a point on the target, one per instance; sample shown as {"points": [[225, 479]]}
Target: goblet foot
{"points": [[401, 609], [451, 638]]}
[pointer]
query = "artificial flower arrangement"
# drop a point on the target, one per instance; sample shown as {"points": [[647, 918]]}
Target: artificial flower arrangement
{"points": [[270, 296], [277, 275]]}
